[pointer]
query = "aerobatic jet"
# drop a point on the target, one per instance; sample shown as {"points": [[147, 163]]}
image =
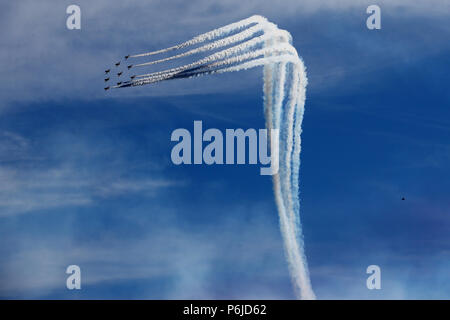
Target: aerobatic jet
{"points": [[107, 70], [129, 67], [117, 64], [132, 77], [119, 83], [107, 79], [127, 56], [119, 74], [107, 88]]}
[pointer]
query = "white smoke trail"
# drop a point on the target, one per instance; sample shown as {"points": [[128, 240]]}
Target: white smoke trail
{"points": [[298, 117], [282, 48], [282, 35], [285, 58], [211, 35], [230, 52], [245, 34], [284, 97]]}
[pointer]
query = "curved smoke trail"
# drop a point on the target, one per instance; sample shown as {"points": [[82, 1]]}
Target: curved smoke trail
{"points": [[251, 43], [211, 35]]}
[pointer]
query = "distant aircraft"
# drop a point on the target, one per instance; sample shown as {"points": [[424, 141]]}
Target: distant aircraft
{"points": [[107, 88], [132, 77], [127, 56], [107, 70], [119, 73], [107, 79], [403, 198], [117, 64], [119, 83], [129, 67]]}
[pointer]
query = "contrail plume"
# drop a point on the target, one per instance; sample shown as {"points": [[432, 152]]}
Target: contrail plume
{"points": [[244, 47], [246, 44], [237, 59], [211, 35], [225, 42]]}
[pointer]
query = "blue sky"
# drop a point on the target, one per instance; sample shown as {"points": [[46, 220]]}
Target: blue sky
{"points": [[86, 176]]}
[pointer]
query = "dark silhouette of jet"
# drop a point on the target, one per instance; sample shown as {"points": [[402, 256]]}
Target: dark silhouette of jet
{"points": [[107, 88], [119, 83], [117, 64], [132, 77], [129, 67], [107, 70], [107, 79], [403, 198], [127, 56], [119, 73]]}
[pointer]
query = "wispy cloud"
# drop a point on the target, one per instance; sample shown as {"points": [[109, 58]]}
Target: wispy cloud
{"points": [[33, 190], [28, 181]]}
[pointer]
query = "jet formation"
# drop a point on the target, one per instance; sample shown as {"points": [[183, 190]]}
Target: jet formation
{"points": [[109, 76]]}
